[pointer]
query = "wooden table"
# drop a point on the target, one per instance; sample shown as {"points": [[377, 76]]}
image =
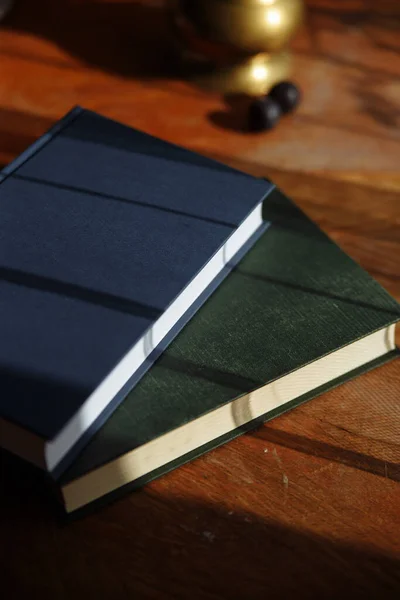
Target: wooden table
{"points": [[309, 504]]}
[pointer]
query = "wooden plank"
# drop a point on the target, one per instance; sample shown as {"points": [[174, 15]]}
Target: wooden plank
{"points": [[354, 424], [233, 524]]}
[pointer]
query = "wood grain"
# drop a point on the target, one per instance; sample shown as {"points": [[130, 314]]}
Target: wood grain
{"points": [[307, 505]]}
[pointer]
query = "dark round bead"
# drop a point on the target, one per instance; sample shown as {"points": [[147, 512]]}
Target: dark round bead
{"points": [[264, 113], [287, 95]]}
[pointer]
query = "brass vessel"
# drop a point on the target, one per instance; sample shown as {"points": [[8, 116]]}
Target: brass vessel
{"points": [[236, 46]]}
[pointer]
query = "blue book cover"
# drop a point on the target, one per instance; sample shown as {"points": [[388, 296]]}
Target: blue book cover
{"points": [[110, 240]]}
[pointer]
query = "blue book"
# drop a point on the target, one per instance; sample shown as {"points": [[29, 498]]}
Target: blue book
{"points": [[110, 240]]}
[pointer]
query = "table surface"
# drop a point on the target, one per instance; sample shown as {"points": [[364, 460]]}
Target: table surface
{"points": [[309, 503]]}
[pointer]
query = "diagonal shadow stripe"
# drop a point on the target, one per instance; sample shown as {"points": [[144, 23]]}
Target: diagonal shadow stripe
{"points": [[294, 286], [319, 449], [80, 190], [225, 378], [69, 290], [101, 131]]}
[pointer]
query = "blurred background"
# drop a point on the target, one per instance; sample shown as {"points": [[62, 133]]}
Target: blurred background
{"points": [[113, 57]]}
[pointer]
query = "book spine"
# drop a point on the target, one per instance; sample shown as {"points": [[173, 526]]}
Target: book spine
{"points": [[40, 143], [112, 495]]}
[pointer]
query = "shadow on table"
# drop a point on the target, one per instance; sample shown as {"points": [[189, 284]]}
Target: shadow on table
{"points": [[155, 544], [125, 38], [234, 117], [129, 39]]}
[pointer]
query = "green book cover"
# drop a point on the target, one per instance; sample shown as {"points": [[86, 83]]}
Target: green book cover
{"points": [[294, 299]]}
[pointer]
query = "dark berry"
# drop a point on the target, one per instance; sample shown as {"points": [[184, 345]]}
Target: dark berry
{"points": [[287, 95], [264, 113]]}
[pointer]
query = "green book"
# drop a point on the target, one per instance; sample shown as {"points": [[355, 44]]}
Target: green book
{"points": [[295, 317]]}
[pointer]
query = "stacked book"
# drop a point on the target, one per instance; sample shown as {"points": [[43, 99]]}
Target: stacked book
{"points": [[155, 304]]}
